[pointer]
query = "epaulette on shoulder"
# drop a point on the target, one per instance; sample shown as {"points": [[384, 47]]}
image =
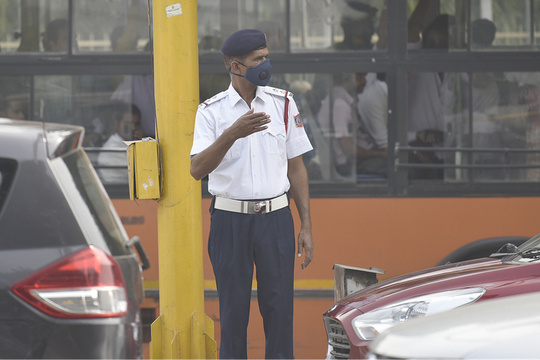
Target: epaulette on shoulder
{"points": [[278, 92], [213, 99]]}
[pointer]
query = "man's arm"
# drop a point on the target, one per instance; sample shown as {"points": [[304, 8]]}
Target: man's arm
{"points": [[416, 20], [342, 120], [362, 153], [298, 178], [207, 160]]}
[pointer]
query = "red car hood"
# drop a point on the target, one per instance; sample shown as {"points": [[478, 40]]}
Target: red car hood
{"points": [[435, 279]]}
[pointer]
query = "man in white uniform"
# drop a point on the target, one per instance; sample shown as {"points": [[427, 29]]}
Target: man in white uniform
{"points": [[249, 140], [372, 142], [338, 120]]}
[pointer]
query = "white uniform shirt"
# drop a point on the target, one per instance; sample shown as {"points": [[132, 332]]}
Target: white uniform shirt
{"points": [[430, 99], [342, 115], [255, 167], [114, 176], [373, 110]]}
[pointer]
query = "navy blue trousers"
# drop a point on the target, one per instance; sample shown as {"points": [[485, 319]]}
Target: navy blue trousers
{"points": [[236, 243]]}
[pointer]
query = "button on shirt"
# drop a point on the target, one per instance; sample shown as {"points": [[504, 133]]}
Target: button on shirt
{"points": [[255, 167]]}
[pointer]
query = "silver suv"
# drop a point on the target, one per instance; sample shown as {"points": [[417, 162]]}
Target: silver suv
{"points": [[70, 279]]}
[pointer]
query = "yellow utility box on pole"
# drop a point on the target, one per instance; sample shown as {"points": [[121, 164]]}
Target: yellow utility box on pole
{"points": [[182, 331], [143, 169]]}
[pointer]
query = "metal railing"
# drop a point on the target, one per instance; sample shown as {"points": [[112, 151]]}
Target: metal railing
{"points": [[98, 150], [399, 150]]}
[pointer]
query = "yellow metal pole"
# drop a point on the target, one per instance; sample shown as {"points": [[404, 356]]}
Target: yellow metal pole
{"points": [[182, 331]]}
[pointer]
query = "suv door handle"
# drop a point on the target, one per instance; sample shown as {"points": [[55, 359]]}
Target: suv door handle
{"points": [[136, 241]]}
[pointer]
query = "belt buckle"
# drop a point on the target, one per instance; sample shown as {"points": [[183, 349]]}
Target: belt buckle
{"points": [[259, 206]]}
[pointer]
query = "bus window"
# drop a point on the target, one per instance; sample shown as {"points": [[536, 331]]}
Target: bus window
{"points": [[496, 25], [308, 91], [435, 25], [139, 91], [336, 25], [513, 22], [338, 121], [14, 97], [218, 19], [114, 109], [110, 108], [34, 26], [479, 127], [43, 26], [505, 118], [212, 84], [53, 99], [121, 26], [345, 118]]}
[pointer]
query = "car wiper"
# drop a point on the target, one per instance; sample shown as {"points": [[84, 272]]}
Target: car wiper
{"points": [[505, 250], [530, 253]]}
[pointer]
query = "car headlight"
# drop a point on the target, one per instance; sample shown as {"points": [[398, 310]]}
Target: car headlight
{"points": [[367, 326]]}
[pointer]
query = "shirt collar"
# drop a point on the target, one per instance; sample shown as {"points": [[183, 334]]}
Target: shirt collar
{"points": [[234, 97], [261, 94]]}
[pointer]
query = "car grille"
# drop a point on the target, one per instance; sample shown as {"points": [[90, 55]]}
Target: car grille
{"points": [[338, 342]]}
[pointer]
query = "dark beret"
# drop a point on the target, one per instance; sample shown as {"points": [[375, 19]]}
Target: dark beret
{"points": [[243, 42]]}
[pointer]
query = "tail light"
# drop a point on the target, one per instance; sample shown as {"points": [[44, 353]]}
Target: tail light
{"points": [[86, 284]]}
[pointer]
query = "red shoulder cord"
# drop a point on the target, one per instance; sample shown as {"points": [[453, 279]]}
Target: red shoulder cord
{"points": [[286, 116]]}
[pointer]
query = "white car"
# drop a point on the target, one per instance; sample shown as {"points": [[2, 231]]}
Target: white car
{"points": [[505, 328]]}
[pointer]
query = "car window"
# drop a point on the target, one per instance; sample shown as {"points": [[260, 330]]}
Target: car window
{"points": [[7, 173], [34, 212], [98, 205]]}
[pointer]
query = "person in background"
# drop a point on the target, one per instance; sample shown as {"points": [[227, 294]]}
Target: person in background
{"points": [[338, 120], [302, 93], [125, 37], [55, 37], [489, 131], [137, 89], [431, 94], [125, 126], [249, 140], [357, 22], [13, 107], [483, 33], [372, 140], [137, 132], [123, 40]]}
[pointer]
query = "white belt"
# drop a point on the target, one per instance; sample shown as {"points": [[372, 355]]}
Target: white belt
{"points": [[251, 207]]}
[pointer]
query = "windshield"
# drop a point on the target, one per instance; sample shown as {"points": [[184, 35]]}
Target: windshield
{"points": [[527, 252], [90, 202]]}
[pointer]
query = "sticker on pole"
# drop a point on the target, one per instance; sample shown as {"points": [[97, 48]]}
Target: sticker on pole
{"points": [[173, 10]]}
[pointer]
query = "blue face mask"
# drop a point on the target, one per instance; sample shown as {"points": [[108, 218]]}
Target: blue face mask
{"points": [[258, 75]]}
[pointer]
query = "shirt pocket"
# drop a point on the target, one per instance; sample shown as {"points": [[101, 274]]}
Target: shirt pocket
{"points": [[274, 140]]}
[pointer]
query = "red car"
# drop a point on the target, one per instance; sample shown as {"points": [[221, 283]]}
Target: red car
{"points": [[354, 321]]}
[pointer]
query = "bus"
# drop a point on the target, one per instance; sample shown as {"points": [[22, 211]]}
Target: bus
{"points": [[423, 114]]}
